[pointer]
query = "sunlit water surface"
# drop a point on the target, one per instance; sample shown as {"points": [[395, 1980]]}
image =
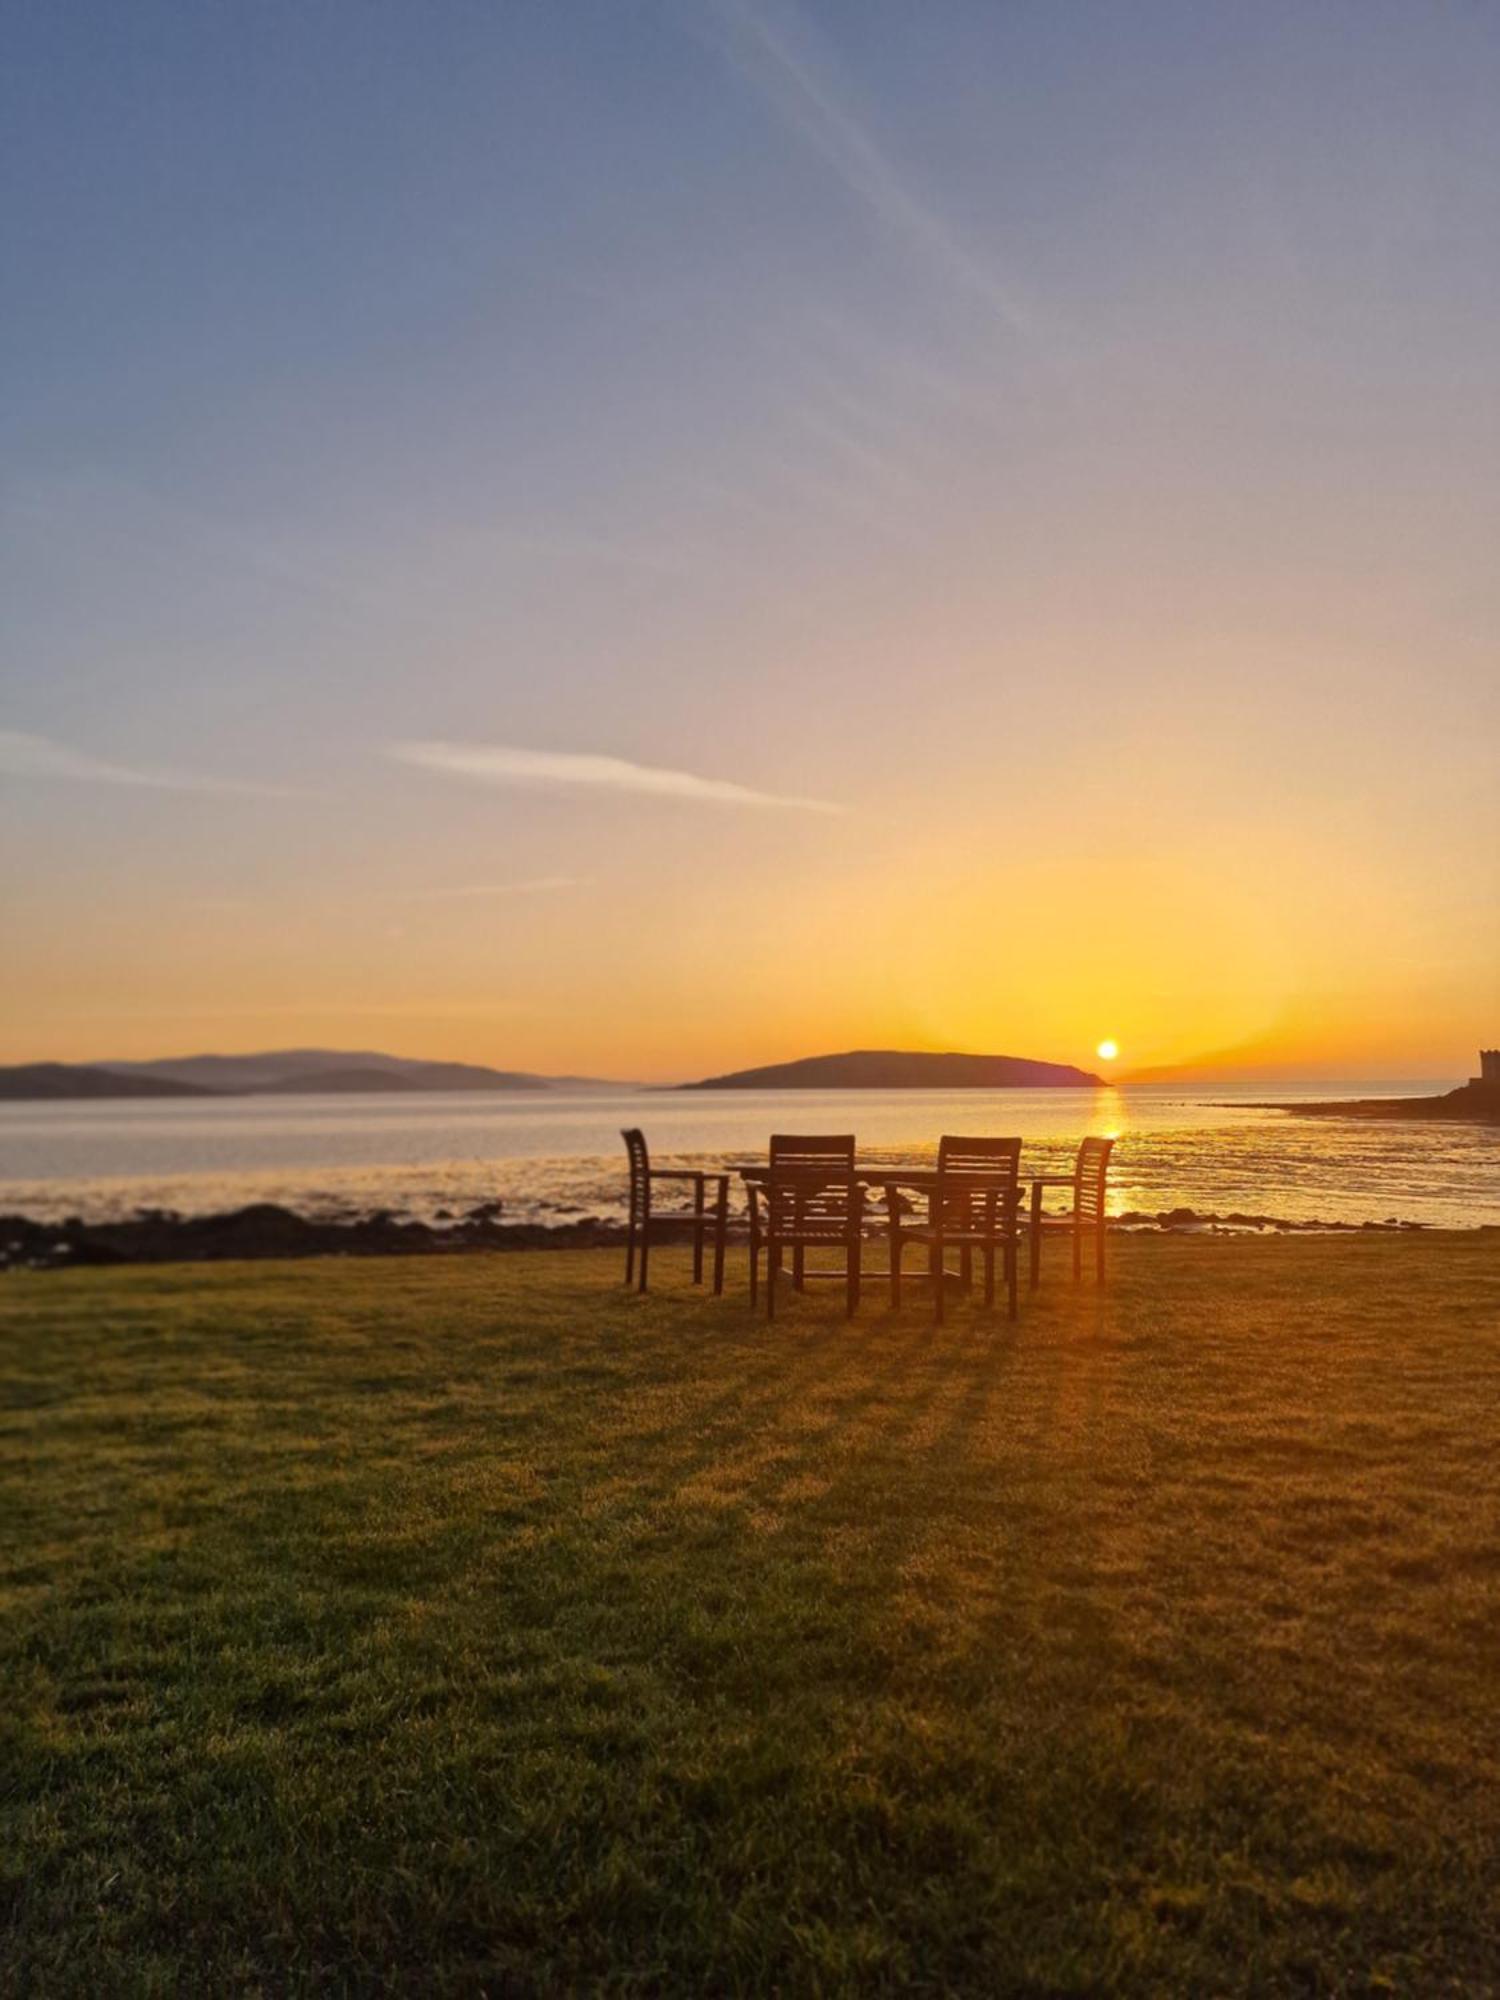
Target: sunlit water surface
{"points": [[556, 1158]]}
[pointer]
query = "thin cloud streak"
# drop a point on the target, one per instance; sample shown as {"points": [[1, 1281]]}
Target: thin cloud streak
{"points": [[559, 770], [438, 1010], [792, 82], [538, 885], [23, 755]]}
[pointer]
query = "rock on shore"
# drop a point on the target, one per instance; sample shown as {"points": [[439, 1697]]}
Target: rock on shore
{"points": [[266, 1230]]}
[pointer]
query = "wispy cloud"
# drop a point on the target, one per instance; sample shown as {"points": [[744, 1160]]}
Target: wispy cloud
{"points": [[776, 56], [538, 885], [413, 1010], [554, 770], [23, 755]]}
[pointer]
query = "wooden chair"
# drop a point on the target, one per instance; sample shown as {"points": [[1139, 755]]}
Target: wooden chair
{"points": [[1087, 1183], [643, 1177], [810, 1200], [974, 1205]]}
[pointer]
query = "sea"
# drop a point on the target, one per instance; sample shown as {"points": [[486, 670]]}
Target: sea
{"points": [[556, 1157]]}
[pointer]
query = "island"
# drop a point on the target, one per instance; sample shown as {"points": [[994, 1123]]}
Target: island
{"points": [[904, 1069], [301, 1072], [72, 1081]]}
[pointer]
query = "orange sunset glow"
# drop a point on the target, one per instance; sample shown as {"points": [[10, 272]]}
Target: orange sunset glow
{"points": [[957, 631]]}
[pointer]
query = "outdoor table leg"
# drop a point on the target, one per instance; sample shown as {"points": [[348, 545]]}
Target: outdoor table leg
{"points": [[1036, 1234], [721, 1223]]}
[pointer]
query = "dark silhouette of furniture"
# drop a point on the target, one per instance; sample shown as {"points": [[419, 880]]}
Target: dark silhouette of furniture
{"points": [[1087, 1182], [700, 1217], [810, 1199], [973, 1203]]}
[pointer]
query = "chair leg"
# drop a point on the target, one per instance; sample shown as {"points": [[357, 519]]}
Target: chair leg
{"points": [[938, 1261], [721, 1225], [989, 1275], [773, 1268], [698, 1232], [645, 1245], [1035, 1246], [1077, 1249], [1099, 1250], [799, 1269], [966, 1268], [1013, 1277], [897, 1246], [754, 1271], [630, 1251]]}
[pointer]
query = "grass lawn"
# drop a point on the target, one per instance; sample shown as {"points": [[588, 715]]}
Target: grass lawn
{"points": [[471, 1626]]}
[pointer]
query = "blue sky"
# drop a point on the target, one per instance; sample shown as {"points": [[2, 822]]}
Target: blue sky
{"points": [[943, 414]]}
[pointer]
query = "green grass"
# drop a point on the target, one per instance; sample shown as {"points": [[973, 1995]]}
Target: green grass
{"points": [[473, 1627]]}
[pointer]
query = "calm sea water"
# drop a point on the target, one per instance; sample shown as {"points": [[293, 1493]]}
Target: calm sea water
{"points": [[556, 1158]]}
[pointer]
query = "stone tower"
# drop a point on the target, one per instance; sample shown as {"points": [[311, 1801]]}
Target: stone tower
{"points": [[1489, 1066]]}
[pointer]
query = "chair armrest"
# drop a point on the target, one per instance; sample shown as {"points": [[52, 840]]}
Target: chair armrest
{"points": [[901, 1202]]}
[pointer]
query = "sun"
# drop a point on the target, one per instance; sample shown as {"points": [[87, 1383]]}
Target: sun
{"points": [[1107, 1051]]}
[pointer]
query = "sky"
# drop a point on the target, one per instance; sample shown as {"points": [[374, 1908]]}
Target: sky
{"points": [[642, 538]]}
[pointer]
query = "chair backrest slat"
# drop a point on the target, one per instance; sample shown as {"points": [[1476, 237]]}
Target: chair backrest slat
{"points": [[640, 1170], [1090, 1175], [977, 1178], [805, 1153], [960, 1154], [811, 1189]]}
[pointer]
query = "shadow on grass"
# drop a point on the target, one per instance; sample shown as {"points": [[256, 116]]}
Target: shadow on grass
{"points": [[620, 1643]]}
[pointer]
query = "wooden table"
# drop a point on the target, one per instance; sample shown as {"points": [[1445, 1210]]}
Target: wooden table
{"points": [[892, 1180], [919, 1180], [923, 1180]]}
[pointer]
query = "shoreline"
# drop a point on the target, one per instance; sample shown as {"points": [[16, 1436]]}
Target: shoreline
{"points": [[1473, 1103], [265, 1230]]}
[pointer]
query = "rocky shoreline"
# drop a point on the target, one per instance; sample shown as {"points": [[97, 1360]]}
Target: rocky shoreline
{"points": [[1474, 1103], [266, 1230]]}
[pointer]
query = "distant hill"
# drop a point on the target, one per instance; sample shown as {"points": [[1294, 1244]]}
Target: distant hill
{"points": [[333, 1082], [301, 1072], [414, 1076], [902, 1069], [296, 1069], [76, 1080]]}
